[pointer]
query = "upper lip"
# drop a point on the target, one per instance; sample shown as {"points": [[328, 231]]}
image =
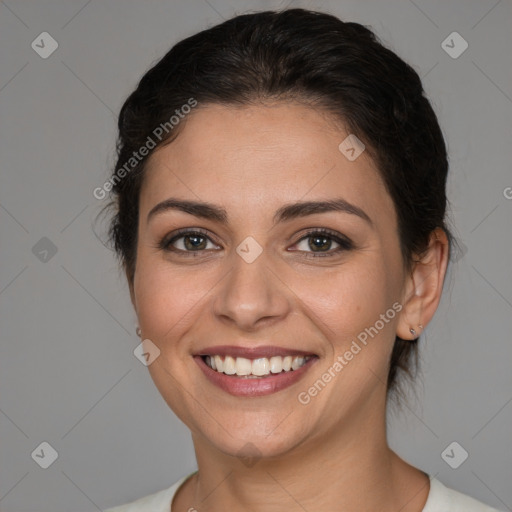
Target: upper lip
{"points": [[267, 351]]}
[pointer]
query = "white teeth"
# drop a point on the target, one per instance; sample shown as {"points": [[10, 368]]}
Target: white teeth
{"points": [[219, 363], [260, 367], [276, 364], [229, 365], [297, 363], [255, 368], [243, 366]]}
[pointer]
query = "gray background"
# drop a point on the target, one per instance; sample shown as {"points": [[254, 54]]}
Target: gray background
{"points": [[68, 374]]}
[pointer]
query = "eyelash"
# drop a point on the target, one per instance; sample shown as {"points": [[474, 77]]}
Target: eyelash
{"points": [[344, 243]]}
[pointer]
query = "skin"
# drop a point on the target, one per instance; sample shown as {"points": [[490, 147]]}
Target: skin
{"points": [[251, 161]]}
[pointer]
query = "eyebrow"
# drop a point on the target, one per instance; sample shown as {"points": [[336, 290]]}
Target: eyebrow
{"points": [[285, 213]]}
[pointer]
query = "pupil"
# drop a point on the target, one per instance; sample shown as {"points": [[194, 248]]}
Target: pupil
{"points": [[193, 241], [320, 242]]}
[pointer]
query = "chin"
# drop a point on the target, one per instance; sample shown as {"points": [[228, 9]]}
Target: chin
{"points": [[249, 443], [249, 433]]}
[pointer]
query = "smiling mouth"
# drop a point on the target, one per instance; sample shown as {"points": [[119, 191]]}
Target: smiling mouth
{"points": [[255, 368]]}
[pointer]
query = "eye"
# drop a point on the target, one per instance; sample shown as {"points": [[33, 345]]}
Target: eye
{"points": [[318, 242], [323, 242], [188, 241]]}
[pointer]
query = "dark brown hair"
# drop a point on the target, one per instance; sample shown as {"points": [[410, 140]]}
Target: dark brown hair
{"points": [[315, 58]]}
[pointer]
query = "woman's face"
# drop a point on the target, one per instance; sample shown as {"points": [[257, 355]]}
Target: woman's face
{"points": [[263, 275]]}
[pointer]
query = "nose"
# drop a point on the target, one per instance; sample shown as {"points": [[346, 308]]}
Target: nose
{"points": [[251, 295]]}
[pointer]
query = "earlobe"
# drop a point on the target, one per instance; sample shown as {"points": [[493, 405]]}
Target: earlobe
{"points": [[413, 331], [424, 287]]}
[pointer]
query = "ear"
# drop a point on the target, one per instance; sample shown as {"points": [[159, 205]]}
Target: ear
{"points": [[424, 286]]}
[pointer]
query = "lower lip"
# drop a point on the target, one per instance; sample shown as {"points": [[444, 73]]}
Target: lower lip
{"points": [[261, 386]]}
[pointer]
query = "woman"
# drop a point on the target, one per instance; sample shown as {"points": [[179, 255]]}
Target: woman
{"points": [[280, 215]]}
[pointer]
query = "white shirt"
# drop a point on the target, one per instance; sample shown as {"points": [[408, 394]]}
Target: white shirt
{"points": [[440, 499]]}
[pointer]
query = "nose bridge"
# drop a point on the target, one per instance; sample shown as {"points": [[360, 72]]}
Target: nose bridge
{"points": [[251, 291]]}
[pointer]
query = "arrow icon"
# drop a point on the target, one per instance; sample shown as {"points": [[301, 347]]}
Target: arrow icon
{"points": [[146, 352], [454, 455], [44, 45], [44, 250], [249, 249], [44, 455], [351, 147], [454, 45]]}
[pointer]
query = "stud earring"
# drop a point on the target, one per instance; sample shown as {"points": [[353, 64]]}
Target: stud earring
{"points": [[413, 332], [138, 331], [420, 326]]}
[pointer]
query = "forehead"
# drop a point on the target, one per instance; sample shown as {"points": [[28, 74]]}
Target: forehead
{"points": [[261, 155], [277, 132]]}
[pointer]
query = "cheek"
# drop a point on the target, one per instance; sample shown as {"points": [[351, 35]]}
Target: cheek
{"points": [[163, 298], [348, 300], [354, 309]]}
